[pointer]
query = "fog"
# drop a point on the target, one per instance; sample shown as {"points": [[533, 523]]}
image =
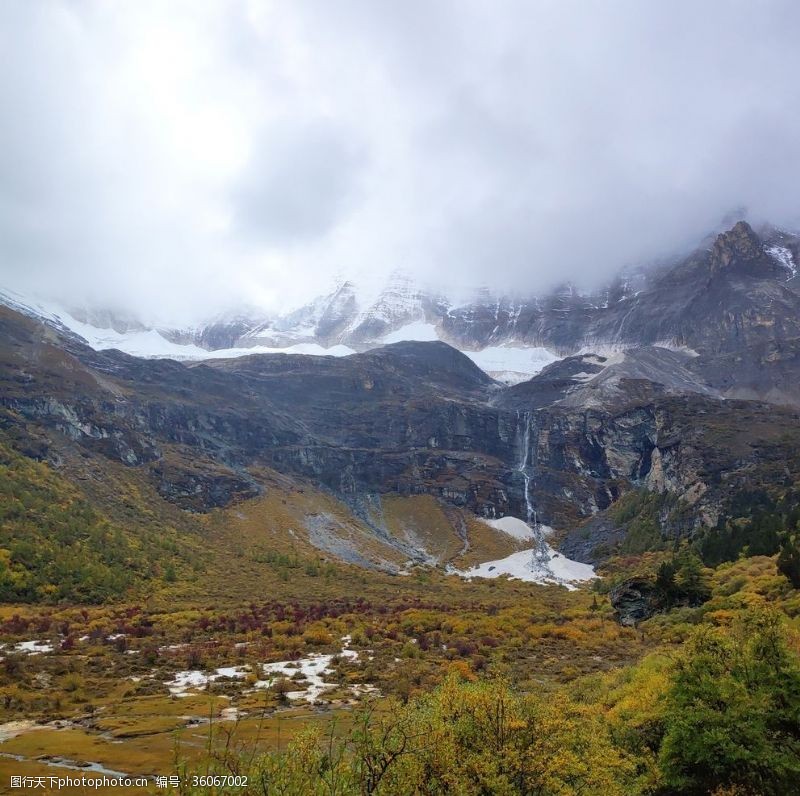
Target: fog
{"points": [[177, 159]]}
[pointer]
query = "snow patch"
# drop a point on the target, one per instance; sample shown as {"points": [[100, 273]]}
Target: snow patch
{"points": [[539, 564], [527, 565], [512, 364], [418, 331], [784, 256], [312, 668], [678, 349], [33, 647], [194, 678], [513, 526]]}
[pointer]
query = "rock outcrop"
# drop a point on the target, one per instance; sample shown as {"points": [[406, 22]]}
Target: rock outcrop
{"points": [[737, 244], [635, 600]]}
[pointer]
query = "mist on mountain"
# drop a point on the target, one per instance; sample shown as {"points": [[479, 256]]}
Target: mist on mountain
{"points": [[174, 161]]}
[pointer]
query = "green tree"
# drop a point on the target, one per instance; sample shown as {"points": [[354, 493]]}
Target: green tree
{"points": [[789, 559], [691, 580], [733, 712], [665, 581]]}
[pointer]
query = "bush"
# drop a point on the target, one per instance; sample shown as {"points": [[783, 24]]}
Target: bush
{"points": [[733, 712], [789, 559], [463, 738]]}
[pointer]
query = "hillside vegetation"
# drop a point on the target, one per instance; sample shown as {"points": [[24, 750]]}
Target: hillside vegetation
{"points": [[114, 597], [55, 547]]}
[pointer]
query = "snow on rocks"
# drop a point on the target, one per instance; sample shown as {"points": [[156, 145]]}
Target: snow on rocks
{"points": [[784, 257], [539, 564]]}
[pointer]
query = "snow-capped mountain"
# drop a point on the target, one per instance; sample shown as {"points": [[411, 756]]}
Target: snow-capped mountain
{"points": [[685, 305], [141, 341], [419, 417], [395, 316]]}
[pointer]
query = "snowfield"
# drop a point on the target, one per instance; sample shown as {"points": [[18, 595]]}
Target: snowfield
{"points": [[507, 363], [524, 566], [512, 364], [419, 331], [539, 564], [150, 343], [513, 526]]}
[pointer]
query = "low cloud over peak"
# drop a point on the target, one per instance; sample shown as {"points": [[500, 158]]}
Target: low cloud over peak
{"points": [[175, 158]]}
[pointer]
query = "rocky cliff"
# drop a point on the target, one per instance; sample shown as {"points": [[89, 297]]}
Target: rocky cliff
{"points": [[422, 419]]}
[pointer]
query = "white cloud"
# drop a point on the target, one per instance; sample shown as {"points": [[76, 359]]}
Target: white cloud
{"points": [[175, 157]]}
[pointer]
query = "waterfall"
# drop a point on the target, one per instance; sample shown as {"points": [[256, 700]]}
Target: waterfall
{"points": [[536, 562], [522, 467], [541, 551]]}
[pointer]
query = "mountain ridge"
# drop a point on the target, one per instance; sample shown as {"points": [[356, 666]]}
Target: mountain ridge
{"points": [[740, 283], [420, 418]]}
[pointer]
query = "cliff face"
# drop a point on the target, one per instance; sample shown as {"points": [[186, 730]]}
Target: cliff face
{"points": [[738, 245], [421, 418], [700, 449], [412, 418], [738, 291]]}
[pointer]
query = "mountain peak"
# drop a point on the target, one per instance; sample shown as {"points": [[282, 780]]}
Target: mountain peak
{"points": [[738, 243]]}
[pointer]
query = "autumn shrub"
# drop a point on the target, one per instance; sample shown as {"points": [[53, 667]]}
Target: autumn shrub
{"points": [[317, 637], [462, 738]]}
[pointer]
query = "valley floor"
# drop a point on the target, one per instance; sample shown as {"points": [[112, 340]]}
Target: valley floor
{"points": [[152, 690], [138, 689]]}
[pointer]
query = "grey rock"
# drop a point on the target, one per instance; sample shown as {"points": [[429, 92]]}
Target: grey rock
{"points": [[635, 600]]}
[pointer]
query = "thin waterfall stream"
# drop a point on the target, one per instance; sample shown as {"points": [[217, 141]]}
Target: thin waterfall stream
{"points": [[539, 563], [540, 554]]}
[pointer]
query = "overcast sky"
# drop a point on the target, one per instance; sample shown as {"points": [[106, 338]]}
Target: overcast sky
{"points": [[176, 158]]}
